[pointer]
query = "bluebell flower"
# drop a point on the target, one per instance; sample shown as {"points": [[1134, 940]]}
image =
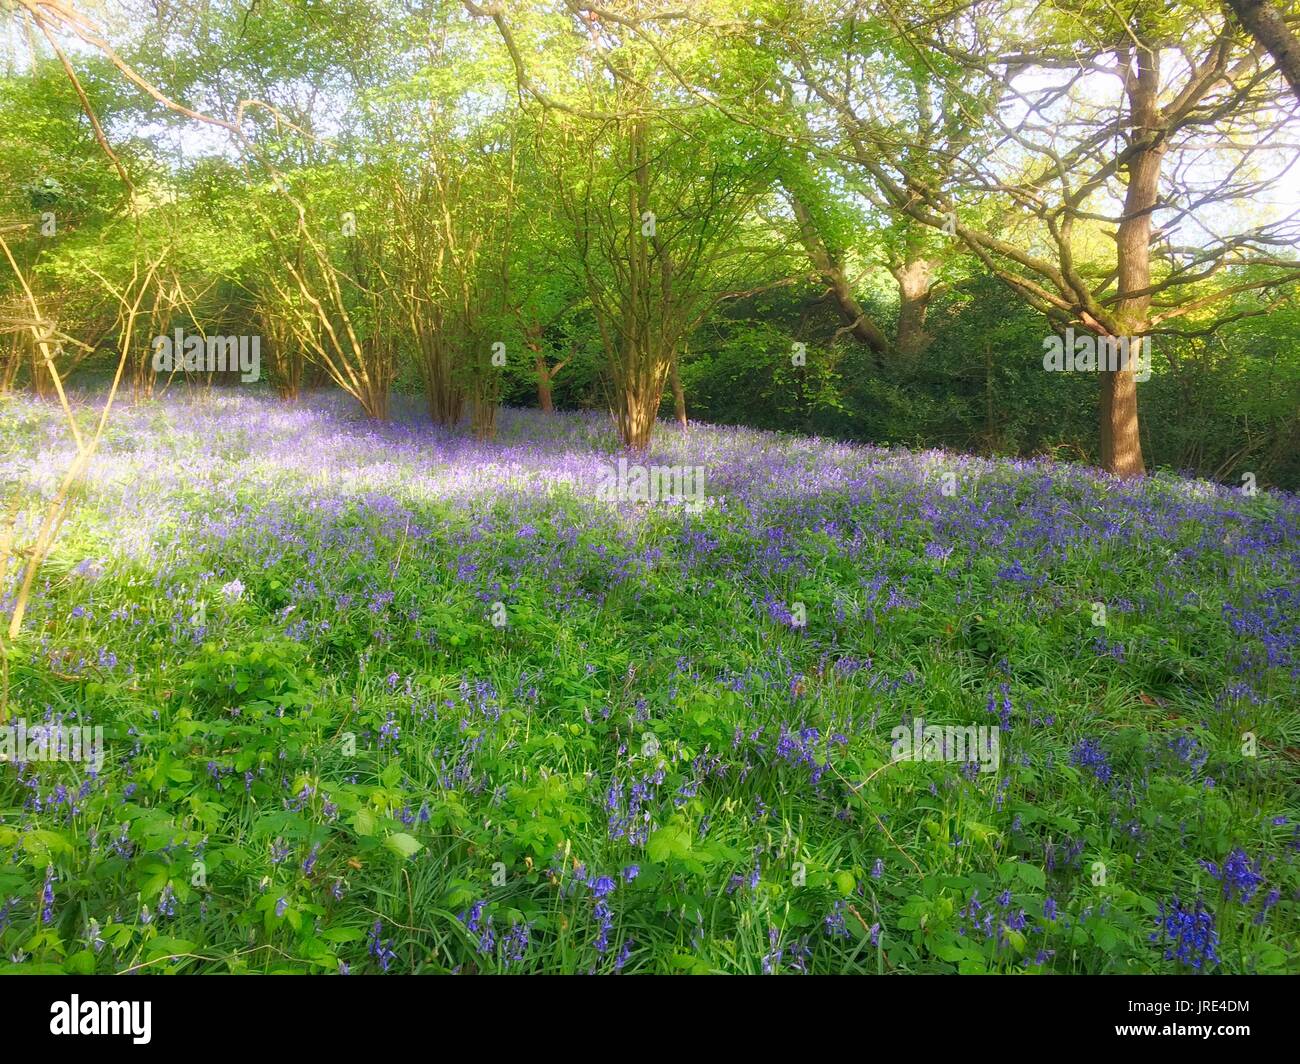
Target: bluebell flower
{"points": [[380, 948], [604, 921], [772, 959], [1240, 877], [624, 953], [515, 944], [834, 921], [471, 919], [1188, 934], [1089, 754], [1270, 899], [47, 896]]}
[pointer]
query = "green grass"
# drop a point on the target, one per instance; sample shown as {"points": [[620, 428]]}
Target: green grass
{"points": [[250, 775]]}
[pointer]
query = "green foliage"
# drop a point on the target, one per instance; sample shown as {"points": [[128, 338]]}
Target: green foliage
{"points": [[312, 722]]}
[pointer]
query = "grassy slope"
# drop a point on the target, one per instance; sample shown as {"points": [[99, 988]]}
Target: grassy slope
{"points": [[344, 737]]}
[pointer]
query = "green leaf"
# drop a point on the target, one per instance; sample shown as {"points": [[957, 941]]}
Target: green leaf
{"points": [[1032, 876], [403, 845], [166, 947], [343, 934], [670, 841], [82, 963], [43, 842]]}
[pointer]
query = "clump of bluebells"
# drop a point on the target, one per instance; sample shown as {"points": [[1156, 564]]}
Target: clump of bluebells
{"points": [[1088, 754], [1187, 934], [509, 949], [515, 943], [475, 924], [1239, 875], [992, 922], [833, 922], [380, 948], [47, 896], [790, 955]]}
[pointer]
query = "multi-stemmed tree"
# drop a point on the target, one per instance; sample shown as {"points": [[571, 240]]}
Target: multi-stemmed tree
{"points": [[657, 189]]}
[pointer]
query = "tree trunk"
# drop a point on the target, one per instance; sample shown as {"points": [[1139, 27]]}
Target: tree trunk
{"points": [[42, 381], [543, 384], [641, 358], [913, 277], [990, 424], [12, 364], [1121, 445], [483, 412], [859, 325], [679, 395], [1266, 24], [639, 403]]}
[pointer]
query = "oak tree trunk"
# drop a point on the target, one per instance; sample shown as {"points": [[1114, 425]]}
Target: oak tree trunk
{"points": [[544, 399], [1266, 24], [679, 395], [1121, 444], [857, 322], [914, 289]]}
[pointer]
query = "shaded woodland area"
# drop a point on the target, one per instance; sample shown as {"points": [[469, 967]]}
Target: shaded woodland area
{"points": [[821, 217]]}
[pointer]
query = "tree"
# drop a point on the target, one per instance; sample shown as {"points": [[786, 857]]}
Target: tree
{"points": [[1269, 26], [1091, 140], [657, 190]]}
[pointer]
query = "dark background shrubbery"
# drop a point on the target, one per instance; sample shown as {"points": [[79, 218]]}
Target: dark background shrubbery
{"points": [[1216, 405]]}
